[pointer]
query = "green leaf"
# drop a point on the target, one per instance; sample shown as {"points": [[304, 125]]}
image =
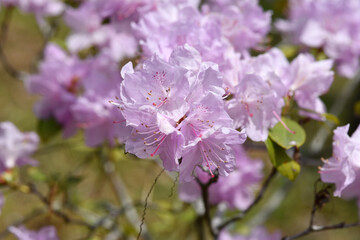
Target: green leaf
{"points": [[36, 174], [285, 138], [48, 128], [287, 166]]}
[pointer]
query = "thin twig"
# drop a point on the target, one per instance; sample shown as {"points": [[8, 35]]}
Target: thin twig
{"points": [[173, 186], [146, 203], [253, 204]]}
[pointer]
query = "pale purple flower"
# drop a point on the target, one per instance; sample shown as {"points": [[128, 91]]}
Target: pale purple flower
{"points": [[308, 79], [158, 87], [210, 140], [236, 190], [16, 147], [271, 66], [332, 25], [100, 120], [258, 233], [203, 77], [92, 111], [153, 101], [77, 92], [258, 97], [243, 22], [253, 107], [45, 233], [58, 82], [343, 168]]}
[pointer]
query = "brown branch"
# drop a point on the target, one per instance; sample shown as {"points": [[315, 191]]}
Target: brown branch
{"points": [[314, 228], [320, 198], [253, 204], [205, 198]]}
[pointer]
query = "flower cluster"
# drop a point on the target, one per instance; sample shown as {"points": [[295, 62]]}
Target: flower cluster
{"points": [[332, 25], [343, 168], [178, 113], [174, 103], [76, 92], [178, 80], [263, 83]]}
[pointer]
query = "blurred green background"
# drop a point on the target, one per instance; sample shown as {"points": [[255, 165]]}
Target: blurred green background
{"points": [[74, 174]]}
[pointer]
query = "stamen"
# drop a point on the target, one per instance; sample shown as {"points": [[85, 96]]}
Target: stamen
{"points": [[206, 158], [114, 103], [214, 154], [248, 110], [282, 123], [193, 129], [120, 121], [149, 130], [162, 140], [162, 102], [155, 139]]}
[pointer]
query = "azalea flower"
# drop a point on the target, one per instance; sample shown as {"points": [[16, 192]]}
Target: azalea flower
{"points": [[16, 147]]}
